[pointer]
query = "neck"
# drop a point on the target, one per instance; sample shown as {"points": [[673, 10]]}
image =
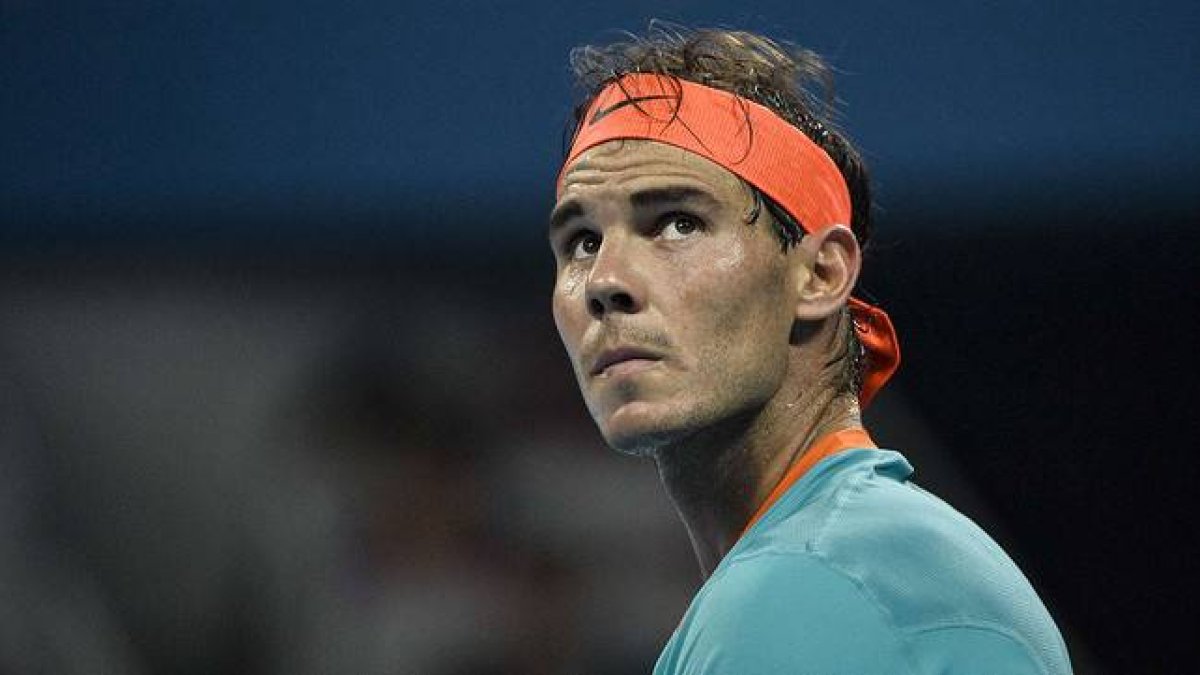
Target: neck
{"points": [[718, 477]]}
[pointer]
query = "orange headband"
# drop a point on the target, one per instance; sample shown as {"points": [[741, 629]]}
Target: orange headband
{"points": [[754, 143]]}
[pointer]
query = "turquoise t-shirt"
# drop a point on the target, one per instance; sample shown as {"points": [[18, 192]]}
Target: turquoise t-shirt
{"points": [[857, 571]]}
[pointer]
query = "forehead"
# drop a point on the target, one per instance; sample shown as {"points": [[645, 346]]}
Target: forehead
{"points": [[628, 165]]}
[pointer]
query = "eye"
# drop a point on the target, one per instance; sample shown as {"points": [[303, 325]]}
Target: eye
{"points": [[677, 226], [583, 245]]}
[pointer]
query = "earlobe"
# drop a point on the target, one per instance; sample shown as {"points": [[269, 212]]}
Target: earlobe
{"points": [[831, 260]]}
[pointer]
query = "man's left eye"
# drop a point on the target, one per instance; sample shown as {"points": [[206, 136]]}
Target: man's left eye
{"points": [[679, 226]]}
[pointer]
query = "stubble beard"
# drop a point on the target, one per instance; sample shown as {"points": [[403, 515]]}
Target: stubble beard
{"points": [[642, 443], [680, 436], [713, 407]]}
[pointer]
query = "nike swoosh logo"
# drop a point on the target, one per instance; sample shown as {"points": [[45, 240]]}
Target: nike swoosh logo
{"points": [[605, 112]]}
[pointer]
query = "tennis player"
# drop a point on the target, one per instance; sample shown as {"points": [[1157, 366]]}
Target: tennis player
{"points": [[708, 234]]}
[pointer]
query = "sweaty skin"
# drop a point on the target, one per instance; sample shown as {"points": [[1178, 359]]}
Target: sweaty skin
{"points": [[695, 339]]}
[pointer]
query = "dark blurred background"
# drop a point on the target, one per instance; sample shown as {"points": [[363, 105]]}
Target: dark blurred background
{"points": [[280, 391]]}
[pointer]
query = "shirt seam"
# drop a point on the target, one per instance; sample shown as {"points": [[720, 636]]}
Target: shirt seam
{"points": [[854, 485], [900, 636], [984, 626], [805, 481]]}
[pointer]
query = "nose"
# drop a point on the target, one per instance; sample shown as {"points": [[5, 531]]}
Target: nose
{"points": [[614, 283]]}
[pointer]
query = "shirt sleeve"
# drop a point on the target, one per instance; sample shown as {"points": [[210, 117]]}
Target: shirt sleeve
{"points": [[773, 614]]}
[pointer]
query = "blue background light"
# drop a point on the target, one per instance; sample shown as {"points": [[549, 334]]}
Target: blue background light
{"points": [[140, 111]]}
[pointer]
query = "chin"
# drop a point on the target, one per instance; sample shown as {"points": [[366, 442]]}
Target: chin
{"points": [[637, 430], [640, 445]]}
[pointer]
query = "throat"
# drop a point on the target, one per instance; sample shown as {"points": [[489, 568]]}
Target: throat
{"points": [[713, 478], [719, 477]]}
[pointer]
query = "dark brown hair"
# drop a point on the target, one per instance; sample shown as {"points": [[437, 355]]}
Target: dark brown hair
{"points": [[793, 82]]}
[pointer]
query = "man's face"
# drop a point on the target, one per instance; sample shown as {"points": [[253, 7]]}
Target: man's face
{"points": [[675, 312]]}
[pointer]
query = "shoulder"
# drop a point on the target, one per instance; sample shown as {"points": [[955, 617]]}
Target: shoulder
{"points": [[865, 572], [911, 551], [925, 562], [792, 613], [769, 613]]}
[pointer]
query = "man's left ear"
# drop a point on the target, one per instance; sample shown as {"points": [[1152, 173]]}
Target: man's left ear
{"points": [[832, 260]]}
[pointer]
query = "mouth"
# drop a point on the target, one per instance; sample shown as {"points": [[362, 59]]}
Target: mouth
{"points": [[624, 359]]}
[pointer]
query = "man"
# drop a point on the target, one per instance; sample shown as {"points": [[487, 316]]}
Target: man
{"points": [[708, 234]]}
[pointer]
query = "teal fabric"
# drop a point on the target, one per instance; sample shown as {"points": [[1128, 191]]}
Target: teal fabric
{"points": [[856, 570]]}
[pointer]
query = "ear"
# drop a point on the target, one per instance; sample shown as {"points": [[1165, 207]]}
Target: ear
{"points": [[829, 262]]}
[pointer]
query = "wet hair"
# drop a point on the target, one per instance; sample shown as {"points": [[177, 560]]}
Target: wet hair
{"points": [[793, 82]]}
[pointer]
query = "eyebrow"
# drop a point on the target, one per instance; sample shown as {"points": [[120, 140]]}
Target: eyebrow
{"points": [[654, 196], [641, 199], [564, 212]]}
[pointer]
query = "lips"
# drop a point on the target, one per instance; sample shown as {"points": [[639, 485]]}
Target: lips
{"points": [[612, 357]]}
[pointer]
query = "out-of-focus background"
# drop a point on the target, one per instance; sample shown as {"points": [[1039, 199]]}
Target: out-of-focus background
{"points": [[280, 391]]}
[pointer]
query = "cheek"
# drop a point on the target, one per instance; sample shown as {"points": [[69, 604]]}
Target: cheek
{"points": [[743, 322], [729, 260], [569, 282], [567, 308]]}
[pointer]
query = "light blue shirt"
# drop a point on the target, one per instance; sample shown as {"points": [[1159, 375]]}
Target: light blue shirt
{"points": [[857, 571]]}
